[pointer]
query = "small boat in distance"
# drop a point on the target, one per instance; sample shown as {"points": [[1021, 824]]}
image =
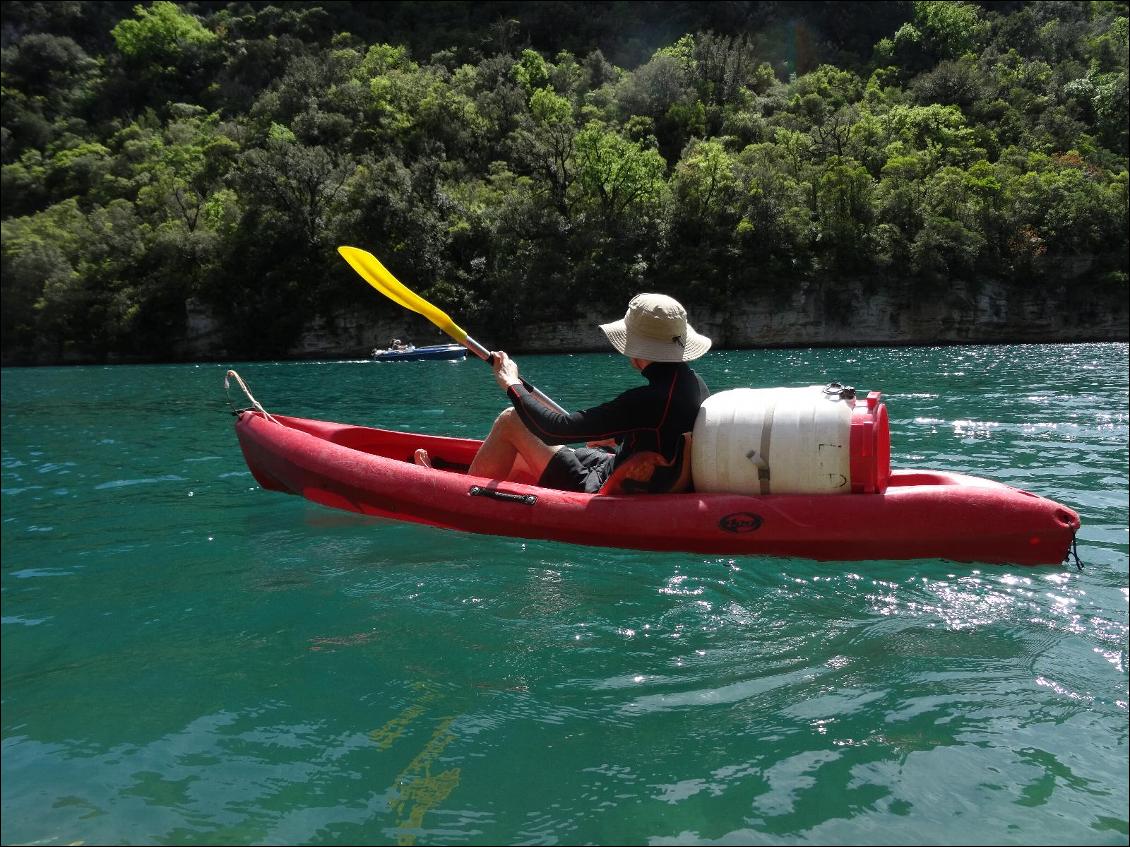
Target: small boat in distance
{"points": [[409, 353]]}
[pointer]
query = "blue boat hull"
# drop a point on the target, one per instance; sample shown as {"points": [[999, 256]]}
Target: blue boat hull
{"points": [[437, 351]]}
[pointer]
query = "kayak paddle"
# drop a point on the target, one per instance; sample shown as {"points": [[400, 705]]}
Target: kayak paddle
{"points": [[378, 276]]}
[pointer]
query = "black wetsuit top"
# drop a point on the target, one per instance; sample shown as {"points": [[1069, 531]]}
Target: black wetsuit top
{"points": [[650, 417]]}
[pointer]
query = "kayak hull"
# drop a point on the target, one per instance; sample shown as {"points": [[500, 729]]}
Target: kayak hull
{"points": [[922, 514], [417, 354]]}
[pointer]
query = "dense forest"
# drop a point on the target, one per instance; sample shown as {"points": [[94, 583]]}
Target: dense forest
{"points": [[513, 161]]}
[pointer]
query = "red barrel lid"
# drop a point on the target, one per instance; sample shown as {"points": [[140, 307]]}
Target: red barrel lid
{"points": [[870, 446]]}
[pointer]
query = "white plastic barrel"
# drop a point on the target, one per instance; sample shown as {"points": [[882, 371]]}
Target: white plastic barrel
{"points": [[790, 441]]}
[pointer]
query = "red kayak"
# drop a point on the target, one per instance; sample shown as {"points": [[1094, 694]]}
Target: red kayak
{"points": [[920, 515]]}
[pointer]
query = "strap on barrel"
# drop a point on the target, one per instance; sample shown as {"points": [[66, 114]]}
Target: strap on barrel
{"points": [[766, 433], [761, 457]]}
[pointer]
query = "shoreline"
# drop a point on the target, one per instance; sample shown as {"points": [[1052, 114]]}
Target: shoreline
{"points": [[113, 360]]}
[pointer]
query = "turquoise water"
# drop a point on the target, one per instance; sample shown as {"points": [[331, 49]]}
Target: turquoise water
{"points": [[189, 659]]}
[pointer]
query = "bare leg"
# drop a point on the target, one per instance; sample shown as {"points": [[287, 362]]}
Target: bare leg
{"points": [[510, 449]]}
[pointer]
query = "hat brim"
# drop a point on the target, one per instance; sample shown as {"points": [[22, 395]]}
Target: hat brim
{"points": [[639, 346]]}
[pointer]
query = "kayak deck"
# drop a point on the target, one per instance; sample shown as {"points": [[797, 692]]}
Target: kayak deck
{"points": [[923, 513]]}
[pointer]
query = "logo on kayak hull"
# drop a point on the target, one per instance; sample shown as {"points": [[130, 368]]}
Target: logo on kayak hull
{"points": [[740, 522]]}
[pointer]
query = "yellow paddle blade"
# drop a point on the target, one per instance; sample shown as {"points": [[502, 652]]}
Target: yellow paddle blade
{"points": [[377, 275]]}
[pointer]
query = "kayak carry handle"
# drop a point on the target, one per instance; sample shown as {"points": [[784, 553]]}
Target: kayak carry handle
{"points": [[508, 496]]}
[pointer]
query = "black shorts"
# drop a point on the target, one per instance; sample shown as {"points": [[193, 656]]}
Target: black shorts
{"points": [[577, 469]]}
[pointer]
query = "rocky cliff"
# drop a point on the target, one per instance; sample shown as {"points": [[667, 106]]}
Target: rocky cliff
{"points": [[809, 314], [982, 313]]}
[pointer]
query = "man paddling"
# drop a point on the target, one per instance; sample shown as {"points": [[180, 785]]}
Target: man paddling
{"points": [[527, 441]]}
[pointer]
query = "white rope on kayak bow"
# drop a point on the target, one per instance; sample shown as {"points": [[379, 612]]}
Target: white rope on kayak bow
{"points": [[255, 403]]}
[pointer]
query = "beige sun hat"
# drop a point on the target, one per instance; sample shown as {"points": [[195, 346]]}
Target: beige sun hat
{"points": [[655, 327]]}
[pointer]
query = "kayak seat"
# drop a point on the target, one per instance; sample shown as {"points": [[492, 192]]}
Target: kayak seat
{"points": [[650, 473]]}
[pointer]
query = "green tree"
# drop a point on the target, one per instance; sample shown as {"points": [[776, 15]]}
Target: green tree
{"points": [[531, 71], [844, 210], [705, 183], [45, 301], [950, 28], [544, 143], [774, 234], [899, 207], [706, 205], [182, 171], [945, 249], [619, 177], [159, 34], [164, 55]]}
